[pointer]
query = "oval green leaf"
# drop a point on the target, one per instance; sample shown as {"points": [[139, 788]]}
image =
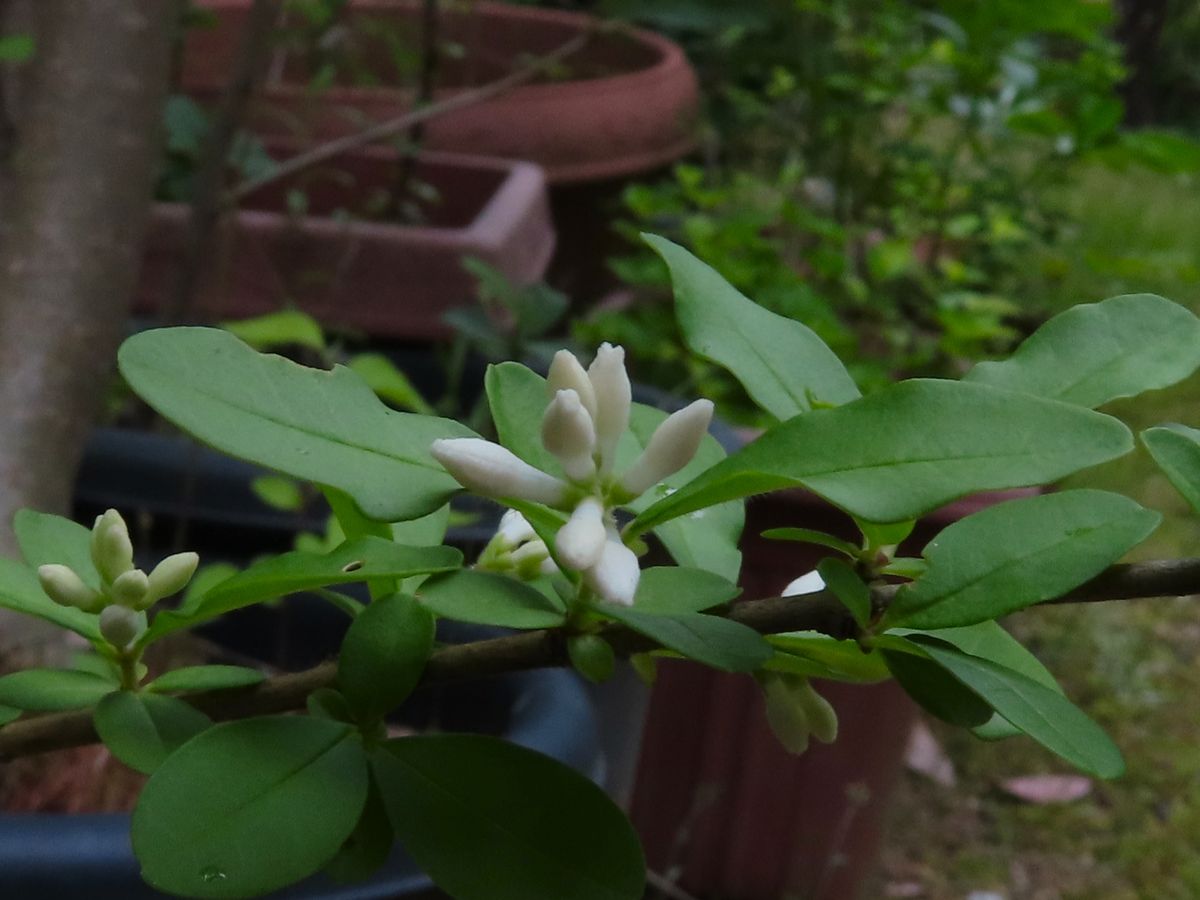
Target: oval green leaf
{"points": [[712, 640], [1097, 352], [322, 426], [781, 363], [50, 690], [1176, 450], [249, 807], [205, 678], [1040, 712], [487, 598], [142, 730], [488, 820], [21, 591], [676, 589], [1018, 553], [384, 654], [907, 449], [46, 538]]}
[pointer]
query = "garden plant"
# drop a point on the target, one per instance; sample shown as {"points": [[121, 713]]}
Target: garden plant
{"points": [[256, 783]]}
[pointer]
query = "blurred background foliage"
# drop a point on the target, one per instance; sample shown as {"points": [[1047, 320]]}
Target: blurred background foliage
{"points": [[922, 182]]}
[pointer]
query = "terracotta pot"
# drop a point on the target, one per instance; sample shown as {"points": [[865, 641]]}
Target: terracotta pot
{"points": [[721, 802], [388, 280], [628, 104]]}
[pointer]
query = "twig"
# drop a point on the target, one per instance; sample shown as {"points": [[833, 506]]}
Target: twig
{"points": [[430, 59], [392, 127], [210, 176], [821, 612]]}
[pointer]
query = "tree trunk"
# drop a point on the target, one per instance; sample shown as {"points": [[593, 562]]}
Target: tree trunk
{"points": [[87, 144]]}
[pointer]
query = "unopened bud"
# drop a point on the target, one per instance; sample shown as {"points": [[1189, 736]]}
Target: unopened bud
{"points": [[566, 373], [671, 447], [493, 471], [591, 656], [613, 399], [615, 577], [66, 588], [581, 541], [822, 718], [568, 433], [528, 559], [170, 576], [112, 551], [786, 716], [120, 625], [130, 588]]}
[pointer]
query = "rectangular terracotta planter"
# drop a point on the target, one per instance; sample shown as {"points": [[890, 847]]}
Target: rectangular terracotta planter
{"points": [[388, 280]]}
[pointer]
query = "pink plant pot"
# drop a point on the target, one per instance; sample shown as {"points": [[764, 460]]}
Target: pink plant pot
{"points": [[388, 280], [627, 103]]}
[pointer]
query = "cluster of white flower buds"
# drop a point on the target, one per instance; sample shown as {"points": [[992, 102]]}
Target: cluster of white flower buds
{"points": [[587, 415], [125, 592]]}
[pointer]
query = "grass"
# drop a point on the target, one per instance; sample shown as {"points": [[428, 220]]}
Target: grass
{"points": [[1133, 666]]}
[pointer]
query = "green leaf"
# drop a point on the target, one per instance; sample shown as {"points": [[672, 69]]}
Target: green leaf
{"points": [[712, 640], [990, 641], [21, 591], [818, 655], [16, 48], [676, 589], [809, 536], [384, 654], [840, 578], [278, 492], [944, 439], [488, 820], [325, 427], [1041, 712], [50, 690], [205, 678], [9, 714], [782, 364], [361, 559], [142, 730], [935, 690], [708, 540], [487, 598], [46, 538], [250, 806], [1097, 352], [1018, 553], [1176, 450], [287, 327]]}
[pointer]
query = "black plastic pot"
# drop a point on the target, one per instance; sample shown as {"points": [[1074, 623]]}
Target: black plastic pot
{"points": [[61, 857]]}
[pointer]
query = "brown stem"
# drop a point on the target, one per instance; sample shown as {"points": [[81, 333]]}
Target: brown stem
{"points": [[210, 175], [392, 127], [430, 58], [820, 612]]}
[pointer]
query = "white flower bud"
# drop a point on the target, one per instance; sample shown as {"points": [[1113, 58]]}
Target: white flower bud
{"points": [[130, 588], [615, 576], [567, 374], [112, 551], [514, 530], [568, 433], [613, 398], [581, 541], [809, 583], [66, 588], [670, 448], [493, 471], [170, 576], [120, 625]]}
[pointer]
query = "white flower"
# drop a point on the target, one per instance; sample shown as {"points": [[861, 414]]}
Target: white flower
{"points": [[587, 415], [670, 448], [581, 541], [615, 576], [568, 433], [493, 471], [614, 397]]}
